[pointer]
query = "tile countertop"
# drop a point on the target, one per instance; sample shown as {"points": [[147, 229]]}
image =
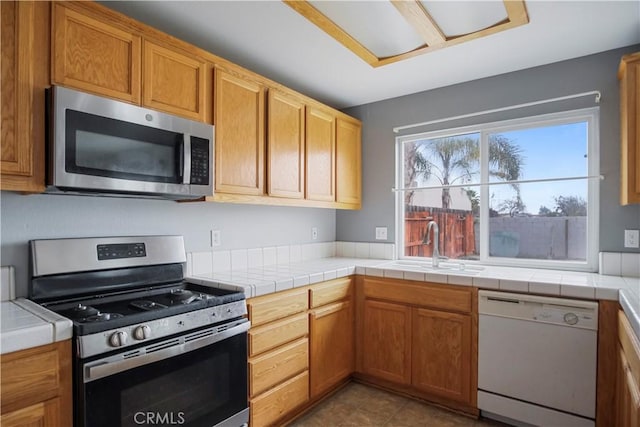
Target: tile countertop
{"points": [[25, 324], [570, 284]]}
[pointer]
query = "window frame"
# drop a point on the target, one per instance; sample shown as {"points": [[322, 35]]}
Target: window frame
{"points": [[589, 115]]}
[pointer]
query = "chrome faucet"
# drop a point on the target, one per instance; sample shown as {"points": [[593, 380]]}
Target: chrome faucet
{"points": [[435, 260]]}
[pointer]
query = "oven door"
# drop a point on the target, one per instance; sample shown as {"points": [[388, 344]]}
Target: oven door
{"points": [[198, 380], [110, 146]]}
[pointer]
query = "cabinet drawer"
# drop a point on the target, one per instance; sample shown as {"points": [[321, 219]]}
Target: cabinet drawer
{"points": [[276, 306], [275, 334], [454, 298], [278, 402], [325, 293], [276, 366], [30, 376]]}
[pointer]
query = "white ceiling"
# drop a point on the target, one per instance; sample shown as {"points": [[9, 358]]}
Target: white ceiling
{"points": [[270, 38]]}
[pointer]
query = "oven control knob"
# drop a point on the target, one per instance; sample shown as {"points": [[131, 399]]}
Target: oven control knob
{"points": [[142, 332], [118, 339]]}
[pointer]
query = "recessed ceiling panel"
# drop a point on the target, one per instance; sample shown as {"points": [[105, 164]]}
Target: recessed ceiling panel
{"points": [[456, 18], [377, 25], [382, 32]]}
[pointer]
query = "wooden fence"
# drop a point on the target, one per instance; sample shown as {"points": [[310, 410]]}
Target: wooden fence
{"points": [[457, 233]]}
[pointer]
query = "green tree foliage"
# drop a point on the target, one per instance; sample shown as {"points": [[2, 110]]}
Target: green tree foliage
{"points": [[566, 206], [456, 160]]}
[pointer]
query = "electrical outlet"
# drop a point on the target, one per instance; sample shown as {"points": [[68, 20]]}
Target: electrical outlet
{"points": [[631, 238], [381, 233], [314, 233], [216, 239]]}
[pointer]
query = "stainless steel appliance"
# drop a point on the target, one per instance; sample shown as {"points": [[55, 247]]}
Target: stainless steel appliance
{"points": [[150, 348], [107, 147], [537, 359]]}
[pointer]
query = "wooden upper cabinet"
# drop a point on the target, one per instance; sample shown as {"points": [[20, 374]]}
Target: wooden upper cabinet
{"points": [[25, 75], [285, 146], [629, 76], [348, 162], [94, 56], [321, 155], [441, 359], [239, 120], [175, 82]]}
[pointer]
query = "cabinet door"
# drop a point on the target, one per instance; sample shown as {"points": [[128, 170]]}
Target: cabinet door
{"points": [[629, 75], [95, 56], [331, 346], [175, 82], [321, 159], [285, 142], [239, 121], [25, 74], [387, 341], [43, 414], [441, 354], [348, 162]]}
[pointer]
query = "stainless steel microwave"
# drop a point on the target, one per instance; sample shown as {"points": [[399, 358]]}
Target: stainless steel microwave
{"points": [[101, 146]]}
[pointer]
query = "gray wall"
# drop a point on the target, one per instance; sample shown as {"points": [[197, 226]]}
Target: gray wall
{"points": [[594, 72], [242, 226]]}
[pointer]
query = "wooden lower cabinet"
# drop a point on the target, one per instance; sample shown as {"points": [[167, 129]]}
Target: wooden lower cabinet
{"points": [[43, 414], [276, 403], [36, 386], [278, 356], [331, 346], [419, 339], [441, 352], [628, 375], [269, 369], [387, 341]]}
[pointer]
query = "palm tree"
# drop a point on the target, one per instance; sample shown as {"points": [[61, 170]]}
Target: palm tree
{"points": [[455, 160]]}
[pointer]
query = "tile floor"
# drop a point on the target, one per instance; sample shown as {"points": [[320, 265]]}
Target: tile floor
{"points": [[362, 406]]}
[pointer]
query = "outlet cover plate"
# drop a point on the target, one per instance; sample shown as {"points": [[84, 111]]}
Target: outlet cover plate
{"points": [[631, 238], [381, 233]]}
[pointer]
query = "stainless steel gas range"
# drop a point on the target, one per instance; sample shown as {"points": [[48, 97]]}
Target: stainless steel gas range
{"points": [[150, 348]]}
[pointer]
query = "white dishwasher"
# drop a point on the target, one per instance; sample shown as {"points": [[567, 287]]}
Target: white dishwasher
{"points": [[537, 359]]}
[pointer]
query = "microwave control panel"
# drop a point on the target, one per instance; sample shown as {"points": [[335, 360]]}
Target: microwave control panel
{"points": [[199, 161]]}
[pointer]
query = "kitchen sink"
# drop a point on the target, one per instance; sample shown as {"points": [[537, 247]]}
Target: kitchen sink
{"points": [[449, 267]]}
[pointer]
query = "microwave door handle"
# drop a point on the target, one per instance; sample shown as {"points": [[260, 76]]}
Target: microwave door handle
{"points": [[186, 159]]}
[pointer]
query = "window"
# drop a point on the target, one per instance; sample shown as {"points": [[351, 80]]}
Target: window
{"points": [[521, 192]]}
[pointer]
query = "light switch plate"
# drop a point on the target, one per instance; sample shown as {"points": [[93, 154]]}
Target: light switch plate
{"points": [[381, 233], [631, 238]]}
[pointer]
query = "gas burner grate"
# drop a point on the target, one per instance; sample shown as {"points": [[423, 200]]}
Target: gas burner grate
{"points": [[146, 305]]}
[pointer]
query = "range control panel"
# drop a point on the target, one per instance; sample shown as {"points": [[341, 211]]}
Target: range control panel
{"points": [[121, 250]]}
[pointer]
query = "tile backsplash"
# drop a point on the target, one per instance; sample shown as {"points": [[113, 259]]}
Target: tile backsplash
{"points": [[620, 264], [7, 283], [199, 263]]}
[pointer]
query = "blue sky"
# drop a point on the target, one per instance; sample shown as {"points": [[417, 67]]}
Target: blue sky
{"points": [[554, 151], [548, 152]]}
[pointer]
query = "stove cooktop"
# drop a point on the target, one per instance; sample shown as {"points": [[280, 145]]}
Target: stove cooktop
{"points": [[105, 312]]}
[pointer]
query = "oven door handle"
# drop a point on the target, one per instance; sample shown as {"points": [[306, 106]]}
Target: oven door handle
{"points": [[184, 344]]}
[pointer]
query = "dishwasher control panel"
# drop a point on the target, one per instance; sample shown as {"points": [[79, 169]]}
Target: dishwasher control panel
{"points": [[563, 315], [558, 311]]}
